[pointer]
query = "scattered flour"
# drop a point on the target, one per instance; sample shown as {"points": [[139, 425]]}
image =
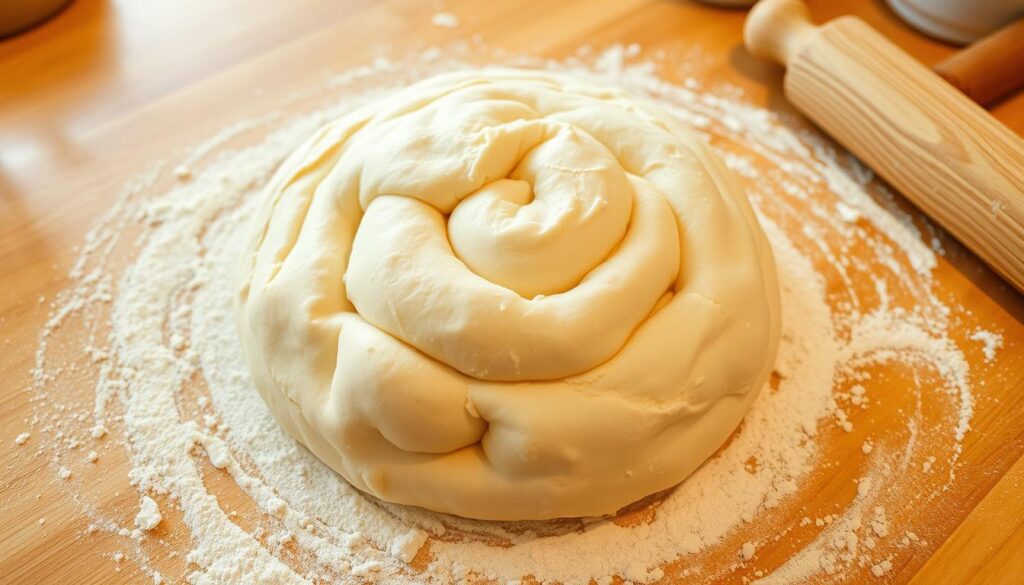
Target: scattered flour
{"points": [[747, 551], [405, 546], [170, 384], [444, 20], [881, 568], [277, 507], [991, 342], [182, 172], [149, 514]]}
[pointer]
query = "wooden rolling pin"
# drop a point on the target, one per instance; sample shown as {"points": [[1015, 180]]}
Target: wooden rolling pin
{"points": [[941, 150]]}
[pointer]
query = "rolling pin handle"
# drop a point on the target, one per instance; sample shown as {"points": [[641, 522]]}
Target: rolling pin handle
{"points": [[778, 29]]}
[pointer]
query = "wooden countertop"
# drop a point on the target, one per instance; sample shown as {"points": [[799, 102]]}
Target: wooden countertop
{"points": [[87, 99]]}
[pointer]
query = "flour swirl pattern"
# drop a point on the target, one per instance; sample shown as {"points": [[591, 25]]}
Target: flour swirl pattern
{"points": [[506, 294]]}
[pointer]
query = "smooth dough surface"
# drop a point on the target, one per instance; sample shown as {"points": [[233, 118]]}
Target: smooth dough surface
{"points": [[507, 294]]}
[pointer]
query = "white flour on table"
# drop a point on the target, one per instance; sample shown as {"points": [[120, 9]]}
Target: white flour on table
{"points": [[149, 311]]}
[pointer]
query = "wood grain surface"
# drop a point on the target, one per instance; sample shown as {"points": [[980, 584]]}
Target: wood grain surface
{"points": [[104, 88]]}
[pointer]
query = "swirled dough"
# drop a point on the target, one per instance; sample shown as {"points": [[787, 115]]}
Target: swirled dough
{"points": [[508, 295]]}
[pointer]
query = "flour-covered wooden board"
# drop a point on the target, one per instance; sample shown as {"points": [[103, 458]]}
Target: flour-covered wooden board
{"points": [[138, 449]]}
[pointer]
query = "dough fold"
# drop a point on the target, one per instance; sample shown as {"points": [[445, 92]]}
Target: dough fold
{"points": [[508, 295]]}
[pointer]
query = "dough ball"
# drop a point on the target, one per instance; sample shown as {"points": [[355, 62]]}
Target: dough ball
{"points": [[508, 295]]}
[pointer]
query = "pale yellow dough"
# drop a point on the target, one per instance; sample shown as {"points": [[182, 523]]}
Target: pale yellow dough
{"points": [[506, 295]]}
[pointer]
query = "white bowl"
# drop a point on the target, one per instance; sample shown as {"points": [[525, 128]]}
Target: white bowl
{"points": [[957, 21]]}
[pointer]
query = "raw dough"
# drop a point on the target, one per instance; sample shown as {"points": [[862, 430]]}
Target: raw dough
{"points": [[506, 295]]}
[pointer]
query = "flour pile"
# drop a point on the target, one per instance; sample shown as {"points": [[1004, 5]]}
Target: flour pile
{"points": [[151, 305]]}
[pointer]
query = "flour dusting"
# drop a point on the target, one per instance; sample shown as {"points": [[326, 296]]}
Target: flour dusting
{"points": [[148, 323]]}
